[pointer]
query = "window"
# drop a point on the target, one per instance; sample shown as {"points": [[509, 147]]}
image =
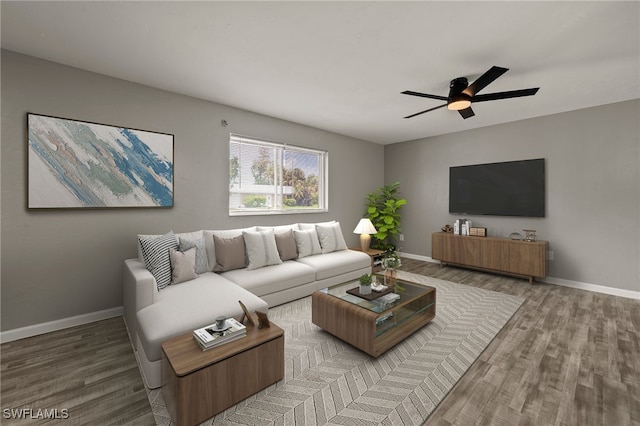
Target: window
{"points": [[271, 178]]}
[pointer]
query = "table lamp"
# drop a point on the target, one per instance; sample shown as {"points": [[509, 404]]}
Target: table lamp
{"points": [[365, 228]]}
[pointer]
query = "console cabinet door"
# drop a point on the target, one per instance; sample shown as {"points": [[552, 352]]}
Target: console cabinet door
{"points": [[495, 254], [470, 251], [528, 258]]}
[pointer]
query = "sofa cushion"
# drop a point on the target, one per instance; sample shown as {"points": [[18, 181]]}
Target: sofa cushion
{"points": [[183, 265], [194, 304], [156, 257], [230, 253], [286, 244], [261, 249], [271, 279], [336, 263], [307, 226], [331, 238], [307, 242], [280, 228], [225, 233], [202, 262]]}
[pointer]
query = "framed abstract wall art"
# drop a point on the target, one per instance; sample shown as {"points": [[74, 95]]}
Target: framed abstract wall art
{"points": [[77, 164]]}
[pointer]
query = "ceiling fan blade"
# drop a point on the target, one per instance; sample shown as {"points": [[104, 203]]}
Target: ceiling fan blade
{"points": [[424, 95], [484, 80], [466, 113], [426, 110], [505, 95]]}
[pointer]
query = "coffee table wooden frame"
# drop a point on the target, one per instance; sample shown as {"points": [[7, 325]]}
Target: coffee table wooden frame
{"points": [[361, 327], [197, 384]]}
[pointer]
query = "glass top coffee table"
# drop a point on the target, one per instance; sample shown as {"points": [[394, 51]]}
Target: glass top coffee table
{"points": [[373, 326]]}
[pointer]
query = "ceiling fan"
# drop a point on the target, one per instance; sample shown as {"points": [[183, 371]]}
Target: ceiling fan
{"points": [[462, 94]]}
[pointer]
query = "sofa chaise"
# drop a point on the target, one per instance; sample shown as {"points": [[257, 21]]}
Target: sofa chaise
{"points": [[180, 282]]}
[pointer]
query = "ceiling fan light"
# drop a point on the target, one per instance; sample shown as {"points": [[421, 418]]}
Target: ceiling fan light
{"points": [[459, 104]]}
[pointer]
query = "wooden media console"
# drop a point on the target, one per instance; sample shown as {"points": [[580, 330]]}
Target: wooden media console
{"points": [[501, 255]]}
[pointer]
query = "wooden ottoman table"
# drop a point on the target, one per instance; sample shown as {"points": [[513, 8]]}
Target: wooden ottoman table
{"points": [[197, 384], [370, 325]]}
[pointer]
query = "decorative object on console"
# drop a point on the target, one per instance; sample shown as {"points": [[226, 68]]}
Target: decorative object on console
{"points": [[461, 227], [529, 234], [515, 236], [447, 228], [365, 228], [89, 165], [478, 232]]}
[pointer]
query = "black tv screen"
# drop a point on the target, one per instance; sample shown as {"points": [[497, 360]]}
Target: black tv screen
{"points": [[513, 188]]}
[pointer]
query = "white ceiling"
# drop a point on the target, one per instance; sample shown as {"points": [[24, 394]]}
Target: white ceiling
{"points": [[340, 66]]}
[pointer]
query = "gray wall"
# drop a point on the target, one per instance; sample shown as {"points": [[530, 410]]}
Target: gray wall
{"points": [[61, 263], [593, 188]]}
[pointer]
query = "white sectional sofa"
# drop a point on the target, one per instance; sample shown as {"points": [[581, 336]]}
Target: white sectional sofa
{"points": [[210, 271]]}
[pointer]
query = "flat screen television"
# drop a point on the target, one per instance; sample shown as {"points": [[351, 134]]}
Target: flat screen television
{"points": [[512, 188]]}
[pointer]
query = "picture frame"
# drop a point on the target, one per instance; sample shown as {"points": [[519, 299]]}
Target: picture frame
{"points": [[263, 319], [246, 314], [74, 164]]}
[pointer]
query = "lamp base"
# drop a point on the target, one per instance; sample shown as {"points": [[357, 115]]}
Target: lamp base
{"points": [[365, 242]]}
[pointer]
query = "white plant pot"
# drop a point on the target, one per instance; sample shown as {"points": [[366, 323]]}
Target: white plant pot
{"points": [[365, 289]]}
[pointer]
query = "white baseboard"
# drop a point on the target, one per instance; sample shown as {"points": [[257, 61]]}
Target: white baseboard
{"points": [[417, 257], [557, 281], [36, 329], [593, 287]]}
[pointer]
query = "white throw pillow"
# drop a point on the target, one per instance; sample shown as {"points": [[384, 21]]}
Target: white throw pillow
{"points": [[279, 229], [331, 238], [307, 243], [261, 249], [183, 265], [306, 226]]}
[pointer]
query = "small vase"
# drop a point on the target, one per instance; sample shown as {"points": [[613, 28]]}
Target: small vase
{"points": [[390, 276], [365, 289]]}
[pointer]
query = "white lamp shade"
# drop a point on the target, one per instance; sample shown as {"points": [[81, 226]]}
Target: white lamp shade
{"points": [[365, 227]]}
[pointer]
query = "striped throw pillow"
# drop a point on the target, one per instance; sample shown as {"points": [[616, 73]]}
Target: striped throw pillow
{"points": [[157, 259]]}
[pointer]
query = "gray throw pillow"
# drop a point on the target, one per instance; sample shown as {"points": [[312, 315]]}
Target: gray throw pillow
{"points": [[286, 244], [202, 261], [230, 253]]}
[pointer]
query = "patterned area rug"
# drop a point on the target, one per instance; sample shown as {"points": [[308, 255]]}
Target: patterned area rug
{"points": [[328, 382]]}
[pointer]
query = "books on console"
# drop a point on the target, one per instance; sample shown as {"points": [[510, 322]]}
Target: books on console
{"points": [[211, 336]]}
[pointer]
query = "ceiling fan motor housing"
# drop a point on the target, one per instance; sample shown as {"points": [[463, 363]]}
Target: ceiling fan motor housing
{"points": [[457, 86]]}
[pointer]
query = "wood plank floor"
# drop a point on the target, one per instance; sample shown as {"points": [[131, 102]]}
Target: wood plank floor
{"points": [[89, 370], [567, 357]]}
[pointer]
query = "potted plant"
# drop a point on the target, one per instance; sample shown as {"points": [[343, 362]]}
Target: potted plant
{"points": [[383, 209], [365, 283]]}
